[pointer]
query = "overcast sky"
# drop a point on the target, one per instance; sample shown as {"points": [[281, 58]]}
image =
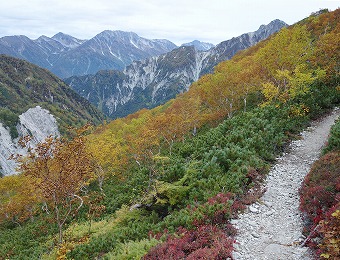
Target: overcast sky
{"points": [[176, 20]]}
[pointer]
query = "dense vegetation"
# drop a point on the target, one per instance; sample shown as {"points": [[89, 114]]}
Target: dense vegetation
{"points": [[320, 200], [167, 181], [24, 85]]}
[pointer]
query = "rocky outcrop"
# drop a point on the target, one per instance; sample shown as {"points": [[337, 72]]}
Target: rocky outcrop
{"points": [[36, 122]]}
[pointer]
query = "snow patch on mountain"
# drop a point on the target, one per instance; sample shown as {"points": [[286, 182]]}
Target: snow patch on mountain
{"points": [[67, 40]]}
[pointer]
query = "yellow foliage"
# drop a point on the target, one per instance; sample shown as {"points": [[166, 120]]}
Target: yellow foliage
{"points": [[330, 229], [298, 110], [18, 198], [285, 50], [270, 91]]}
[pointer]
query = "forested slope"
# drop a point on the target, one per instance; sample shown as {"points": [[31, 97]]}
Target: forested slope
{"points": [[172, 177], [24, 85]]}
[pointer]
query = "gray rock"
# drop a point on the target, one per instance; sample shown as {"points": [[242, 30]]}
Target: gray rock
{"points": [[268, 204], [234, 221], [253, 209], [38, 123], [237, 256], [255, 235]]}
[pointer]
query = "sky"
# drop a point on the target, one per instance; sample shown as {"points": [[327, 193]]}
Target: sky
{"points": [[179, 21]]}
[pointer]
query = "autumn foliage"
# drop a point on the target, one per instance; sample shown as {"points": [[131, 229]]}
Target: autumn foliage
{"points": [[59, 170], [176, 174], [320, 201], [18, 198], [204, 242]]}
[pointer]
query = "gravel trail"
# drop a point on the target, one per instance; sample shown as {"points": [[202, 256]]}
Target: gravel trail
{"points": [[271, 228]]}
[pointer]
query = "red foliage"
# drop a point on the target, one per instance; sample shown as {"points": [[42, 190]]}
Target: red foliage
{"points": [[330, 233], [321, 188], [203, 242], [211, 237], [319, 193], [219, 209]]}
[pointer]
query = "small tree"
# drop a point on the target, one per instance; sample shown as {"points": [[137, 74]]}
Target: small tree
{"points": [[60, 170]]}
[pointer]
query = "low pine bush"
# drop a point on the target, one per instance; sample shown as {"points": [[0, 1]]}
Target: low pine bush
{"points": [[334, 139]]}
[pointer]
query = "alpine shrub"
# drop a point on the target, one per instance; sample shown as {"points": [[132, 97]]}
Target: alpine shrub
{"points": [[319, 193]]}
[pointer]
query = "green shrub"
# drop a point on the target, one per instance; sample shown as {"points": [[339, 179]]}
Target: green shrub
{"points": [[132, 249], [334, 139], [10, 120]]}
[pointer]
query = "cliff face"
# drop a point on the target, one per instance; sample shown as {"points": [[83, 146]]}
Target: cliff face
{"points": [[36, 122]]}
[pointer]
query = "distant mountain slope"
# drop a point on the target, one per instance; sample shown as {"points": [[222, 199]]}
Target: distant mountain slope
{"points": [[24, 85], [67, 40], [148, 83], [200, 46], [65, 55]]}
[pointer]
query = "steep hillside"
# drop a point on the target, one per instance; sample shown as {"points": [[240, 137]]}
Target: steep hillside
{"points": [[150, 82], [167, 181], [24, 85], [66, 56], [188, 178]]}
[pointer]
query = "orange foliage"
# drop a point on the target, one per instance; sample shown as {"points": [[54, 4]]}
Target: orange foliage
{"points": [[18, 198], [59, 170]]}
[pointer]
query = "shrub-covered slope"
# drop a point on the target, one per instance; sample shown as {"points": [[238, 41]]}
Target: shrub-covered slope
{"points": [[175, 175]]}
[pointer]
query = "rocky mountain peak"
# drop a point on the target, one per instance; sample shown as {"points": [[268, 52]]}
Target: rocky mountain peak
{"points": [[67, 40], [267, 30], [200, 46], [65, 55]]}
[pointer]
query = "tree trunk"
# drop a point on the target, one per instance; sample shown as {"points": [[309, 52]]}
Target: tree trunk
{"points": [[245, 103], [60, 226]]}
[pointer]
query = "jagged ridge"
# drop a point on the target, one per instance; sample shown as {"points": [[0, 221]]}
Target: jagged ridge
{"points": [[150, 82], [66, 56]]}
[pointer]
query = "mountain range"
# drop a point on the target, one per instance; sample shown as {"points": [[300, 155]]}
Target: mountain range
{"points": [[65, 55], [150, 82]]}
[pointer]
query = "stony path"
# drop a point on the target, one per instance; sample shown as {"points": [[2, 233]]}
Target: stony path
{"points": [[271, 228]]}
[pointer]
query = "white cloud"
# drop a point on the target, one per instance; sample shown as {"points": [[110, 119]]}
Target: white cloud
{"points": [[177, 20]]}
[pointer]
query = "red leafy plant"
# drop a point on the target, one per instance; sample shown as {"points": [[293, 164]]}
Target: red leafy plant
{"points": [[211, 235], [319, 194], [204, 242]]}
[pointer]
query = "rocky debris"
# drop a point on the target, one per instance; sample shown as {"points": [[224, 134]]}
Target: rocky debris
{"points": [[272, 227]]}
